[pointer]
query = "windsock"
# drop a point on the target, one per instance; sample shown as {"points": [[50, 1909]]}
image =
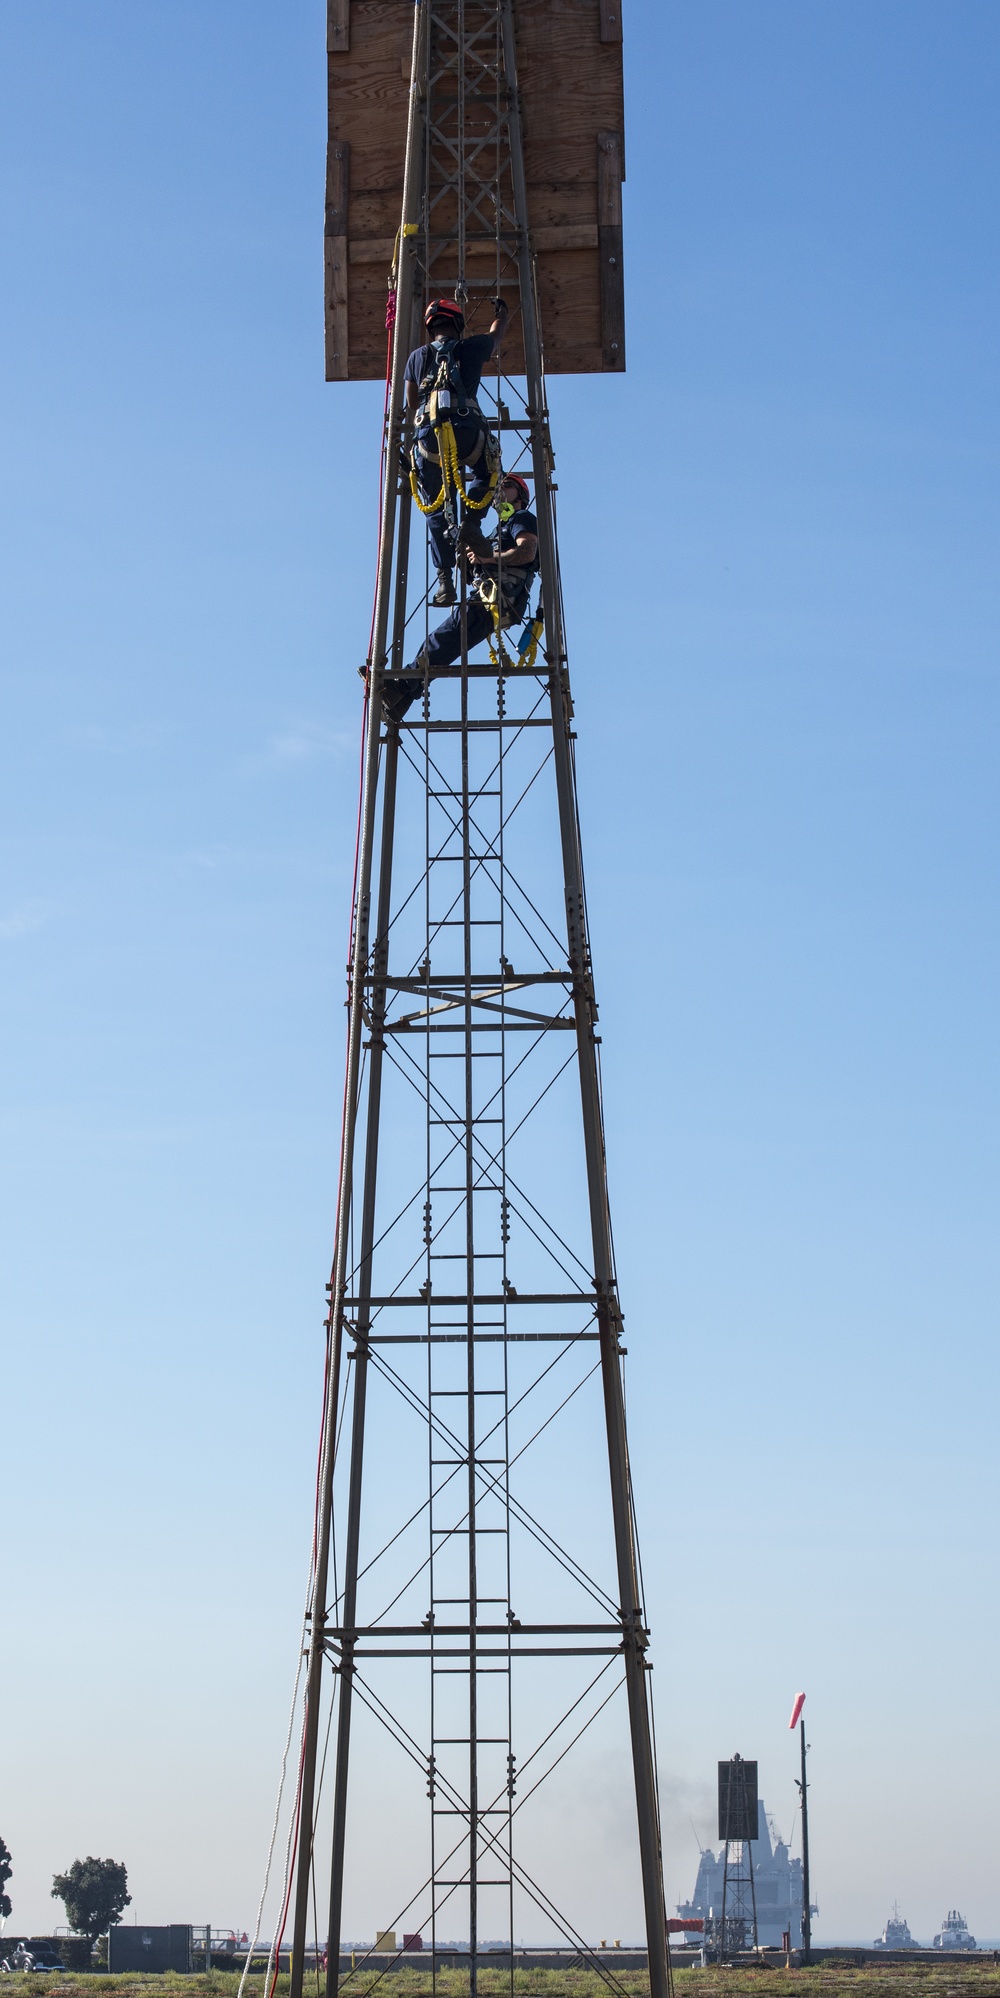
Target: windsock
{"points": [[800, 1700]]}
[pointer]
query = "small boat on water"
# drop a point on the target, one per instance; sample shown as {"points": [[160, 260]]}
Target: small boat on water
{"points": [[896, 1934], [954, 1934]]}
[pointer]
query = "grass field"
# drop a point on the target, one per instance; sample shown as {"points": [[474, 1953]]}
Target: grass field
{"points": [[927, 1980]]}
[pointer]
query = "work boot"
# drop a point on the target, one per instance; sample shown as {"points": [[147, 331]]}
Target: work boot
{"points": [[399, 695], [444, 595]]}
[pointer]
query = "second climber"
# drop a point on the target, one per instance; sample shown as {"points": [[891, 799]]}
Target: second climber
{"points": [[442, 383], [502, 574]]}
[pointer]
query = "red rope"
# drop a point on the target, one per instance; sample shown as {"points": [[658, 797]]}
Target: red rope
{"points": [[390, 321]]}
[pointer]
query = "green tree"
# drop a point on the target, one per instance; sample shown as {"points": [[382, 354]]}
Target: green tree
{"points": [[93, 1893], [6, 1869]]}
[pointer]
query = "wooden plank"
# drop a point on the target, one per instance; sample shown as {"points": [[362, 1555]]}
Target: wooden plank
{"points": [[571, 236], [609, 216], [611, 20], [338, 26], [368, 94], [372, 250], [571, 88], [609, 179], [555, 205], [377, 26], [369, 108], [612, 300], [338, 180], [570, 300], [562, 159], [335, 249], [565, 69], [374, 211]]}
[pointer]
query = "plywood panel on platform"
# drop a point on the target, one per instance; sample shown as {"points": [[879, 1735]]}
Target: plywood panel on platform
{"points": [[569, 56]]}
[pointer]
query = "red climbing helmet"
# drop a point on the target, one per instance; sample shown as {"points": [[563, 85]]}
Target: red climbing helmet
{"points": [[445, 308], [515, 479]]}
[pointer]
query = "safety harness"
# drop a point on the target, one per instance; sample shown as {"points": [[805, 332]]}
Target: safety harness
{"points": [[506, 594], [443, 397]]}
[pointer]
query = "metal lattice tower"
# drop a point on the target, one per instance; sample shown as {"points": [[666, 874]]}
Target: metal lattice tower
{"points": [[483, 1603], [736, 1927]]}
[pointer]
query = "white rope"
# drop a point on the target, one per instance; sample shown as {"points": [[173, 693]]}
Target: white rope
{"points": [[277, 1820], [324, 1458]]}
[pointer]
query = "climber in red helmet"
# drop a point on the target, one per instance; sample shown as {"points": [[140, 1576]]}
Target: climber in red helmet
{"points": [[450, 364]]}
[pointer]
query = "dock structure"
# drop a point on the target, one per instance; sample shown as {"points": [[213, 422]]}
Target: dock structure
{"points": [[476, 1592]]}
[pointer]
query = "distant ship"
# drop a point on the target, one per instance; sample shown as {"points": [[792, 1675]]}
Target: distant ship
{"points": [[896, 1934], [954, 1934], [777, 1885]]}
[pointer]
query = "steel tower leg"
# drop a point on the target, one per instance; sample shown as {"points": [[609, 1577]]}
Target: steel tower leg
{"points": [[305, 1805], [609, 1315], [361, 1359]]}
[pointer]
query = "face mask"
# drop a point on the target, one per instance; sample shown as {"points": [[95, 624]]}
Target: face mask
{"points": [[441, 341], [505, 510]]}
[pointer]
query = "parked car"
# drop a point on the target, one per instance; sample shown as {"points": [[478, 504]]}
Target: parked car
{"points": [[34, 1954]]}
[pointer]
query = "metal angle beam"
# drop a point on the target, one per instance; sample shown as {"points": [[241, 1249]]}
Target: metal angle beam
{"points": [[483, 1630], [438, 1298]]}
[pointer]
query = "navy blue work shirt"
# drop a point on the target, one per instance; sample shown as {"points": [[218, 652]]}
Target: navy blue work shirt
{"points": [[469, 356], [506, 537]]}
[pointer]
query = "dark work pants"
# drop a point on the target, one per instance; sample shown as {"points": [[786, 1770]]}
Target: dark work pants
{"points": [[444, 643], [476, 480], [442, 647]]}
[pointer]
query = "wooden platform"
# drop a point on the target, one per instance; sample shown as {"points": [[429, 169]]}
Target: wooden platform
{"points": [[569, 56]]}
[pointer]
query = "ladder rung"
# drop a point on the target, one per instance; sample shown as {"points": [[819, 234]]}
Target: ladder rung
{"points": [[506, 721], [456, 1811], [439, 1882]]}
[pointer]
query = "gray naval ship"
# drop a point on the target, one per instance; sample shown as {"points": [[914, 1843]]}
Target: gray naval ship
{"points": [[777, 1882], [953, 1933], [896, 1934]]}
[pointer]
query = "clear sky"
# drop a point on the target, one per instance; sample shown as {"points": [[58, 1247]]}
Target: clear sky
{"points": [[779, 546]]}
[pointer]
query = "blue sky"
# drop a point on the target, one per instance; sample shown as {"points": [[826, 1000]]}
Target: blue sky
{"points": [[778, 538]]}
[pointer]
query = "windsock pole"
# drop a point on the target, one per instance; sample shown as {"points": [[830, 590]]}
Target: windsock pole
{"points": [[802, 1789], [806, 1914]]}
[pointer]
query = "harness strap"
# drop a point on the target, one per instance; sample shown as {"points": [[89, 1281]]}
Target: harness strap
{"points": [[465, 457], [506, 596], [527, 649], [451, 473]]}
